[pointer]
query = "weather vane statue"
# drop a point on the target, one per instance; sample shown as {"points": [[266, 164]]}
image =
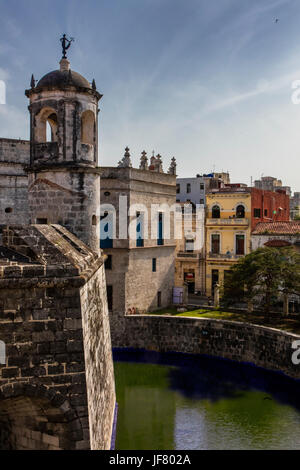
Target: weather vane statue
{"points": [[66, 43]]}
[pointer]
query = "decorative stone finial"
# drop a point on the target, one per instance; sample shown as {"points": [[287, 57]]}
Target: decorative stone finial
{"points": [[144, 161], [94, 84], [32, 82], [64, 65], [126, 160], [173, 167], [159, 167]]}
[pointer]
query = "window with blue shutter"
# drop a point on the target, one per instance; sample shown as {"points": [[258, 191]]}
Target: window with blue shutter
{"points": [[160, 238]]}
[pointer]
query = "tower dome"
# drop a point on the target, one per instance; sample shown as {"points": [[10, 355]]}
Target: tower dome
{"points": [[61, 79]]}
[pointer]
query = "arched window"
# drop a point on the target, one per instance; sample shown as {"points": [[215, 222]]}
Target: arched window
{"points": [[52, 122], [88, 128], [240, 212], [216, 213], [48, 132], [46, 126]]}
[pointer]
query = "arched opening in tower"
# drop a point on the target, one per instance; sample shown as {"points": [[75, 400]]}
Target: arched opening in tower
{"points": [[51, 128], [88, 128], [28, 423], [46, 125]]}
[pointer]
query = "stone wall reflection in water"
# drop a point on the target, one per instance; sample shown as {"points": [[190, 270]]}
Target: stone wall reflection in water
{"points": [[173, 401]]}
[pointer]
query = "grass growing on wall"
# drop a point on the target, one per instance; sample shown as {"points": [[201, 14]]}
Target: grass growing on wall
{"points": [[291, 325], [201, 312]]}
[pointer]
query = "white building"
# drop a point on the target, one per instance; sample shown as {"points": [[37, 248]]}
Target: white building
{"points": [[276, 234], [191, 189], [194, 189]]}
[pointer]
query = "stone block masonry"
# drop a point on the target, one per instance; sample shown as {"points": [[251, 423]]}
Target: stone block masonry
{"points": [[98, 360], [14, 156], [57, 385], [14, 151], [141, 275], [242, 342]]}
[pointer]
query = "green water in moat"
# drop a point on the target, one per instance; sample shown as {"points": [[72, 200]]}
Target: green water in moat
{"points": [[207, 406]]}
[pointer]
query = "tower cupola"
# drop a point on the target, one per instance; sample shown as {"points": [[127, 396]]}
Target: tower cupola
{"points": [[64, 149]]}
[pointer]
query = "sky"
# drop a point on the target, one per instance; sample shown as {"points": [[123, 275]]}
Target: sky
{"points": [[208, 82]]}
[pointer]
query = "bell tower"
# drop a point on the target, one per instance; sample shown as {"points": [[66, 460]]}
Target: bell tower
{"points": [[64, 178]]}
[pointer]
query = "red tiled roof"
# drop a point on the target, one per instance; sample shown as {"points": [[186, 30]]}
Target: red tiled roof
{"points": [[277, 228], [277, 243]]}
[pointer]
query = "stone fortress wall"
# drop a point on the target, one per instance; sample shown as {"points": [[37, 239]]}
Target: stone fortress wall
{"points": [[242, 342], [57, 384], [14, 156], [99, 371]]}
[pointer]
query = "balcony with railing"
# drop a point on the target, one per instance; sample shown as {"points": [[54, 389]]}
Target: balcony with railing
{"points": [[224, 256], [228, 221], [189, 256]]}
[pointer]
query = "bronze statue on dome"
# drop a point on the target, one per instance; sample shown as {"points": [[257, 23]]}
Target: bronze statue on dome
{"points": [[66, 43]]}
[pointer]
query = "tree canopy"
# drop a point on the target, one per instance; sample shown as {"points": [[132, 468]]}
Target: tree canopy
{"points": [[263, 275]]}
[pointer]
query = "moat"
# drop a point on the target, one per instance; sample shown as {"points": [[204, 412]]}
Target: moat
{"points": [[179, 402]]}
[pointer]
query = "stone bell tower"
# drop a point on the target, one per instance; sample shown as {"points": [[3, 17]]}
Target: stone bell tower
{"points": [[64, 179]]}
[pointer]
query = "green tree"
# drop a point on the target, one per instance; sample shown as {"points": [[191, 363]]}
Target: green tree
{"points": [[264, 273], [297, 216], [290, 271]]}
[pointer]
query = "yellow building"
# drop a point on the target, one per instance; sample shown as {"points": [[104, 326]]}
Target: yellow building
{"points": [[228, 232], [190, 249]]}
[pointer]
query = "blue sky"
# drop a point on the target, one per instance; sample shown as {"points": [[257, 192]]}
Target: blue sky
{"points": [[208, 82]]}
